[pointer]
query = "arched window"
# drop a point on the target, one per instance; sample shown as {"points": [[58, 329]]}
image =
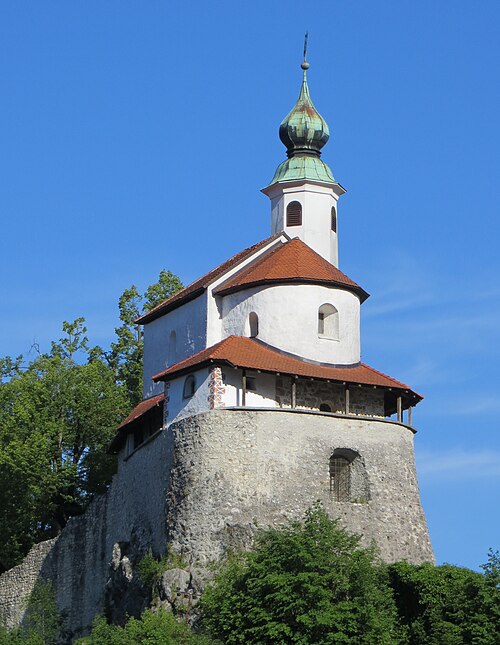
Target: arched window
{"points": [[189, 387], [348, 477], [325, 407], [328, 322], [334, 219], [253, 323], [172, 348], [294, 214]]}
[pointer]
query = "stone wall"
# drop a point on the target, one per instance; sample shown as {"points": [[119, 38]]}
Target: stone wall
{"points": [[206, 484], [235, 470], [365, 401], [91, 563]]}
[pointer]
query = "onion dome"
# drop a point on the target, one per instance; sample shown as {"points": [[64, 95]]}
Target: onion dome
{"points": [[304, 131]]}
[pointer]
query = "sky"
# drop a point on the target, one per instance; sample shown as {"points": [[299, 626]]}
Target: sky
{"points": [[136, 136]]}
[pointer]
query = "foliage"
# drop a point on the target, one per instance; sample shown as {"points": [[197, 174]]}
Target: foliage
{"points": [[56, 420], [125, 354], [307, 583], [151, 568], [153, 628], [41, 623], [58, 414], [447, 605], [42, 615]]}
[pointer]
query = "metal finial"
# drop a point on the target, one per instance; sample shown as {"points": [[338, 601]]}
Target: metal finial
{"points": [[305, 64]]}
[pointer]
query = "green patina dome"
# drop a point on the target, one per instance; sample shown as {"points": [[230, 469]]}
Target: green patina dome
{"points": [[304, 132]]}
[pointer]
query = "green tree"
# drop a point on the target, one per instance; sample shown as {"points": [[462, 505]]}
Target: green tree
{"points": [[447, 605], [306, 583], [57, 418], [58, 414], [126, 352]]}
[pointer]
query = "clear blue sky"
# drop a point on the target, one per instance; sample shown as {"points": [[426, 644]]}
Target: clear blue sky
{"points": [[135, 136]]}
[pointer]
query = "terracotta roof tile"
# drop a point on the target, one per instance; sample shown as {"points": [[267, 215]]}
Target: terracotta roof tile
{"points": [[142, 408], [139, 411], [198, 286], [239, 351], [291, 262]]}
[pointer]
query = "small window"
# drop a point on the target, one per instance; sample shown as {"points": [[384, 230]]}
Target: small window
{"points": [[328, 322], [294, 214], [334, 220], [340, 478], [251, 384], [253, 322], [324, 407], [189, 386]]}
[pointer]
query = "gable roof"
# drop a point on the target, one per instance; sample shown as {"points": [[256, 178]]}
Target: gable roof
{"points": [[197, 287], [291, 262], [248, 353]]}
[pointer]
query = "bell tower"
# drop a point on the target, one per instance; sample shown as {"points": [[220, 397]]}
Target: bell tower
{"points": [[303, 191]]}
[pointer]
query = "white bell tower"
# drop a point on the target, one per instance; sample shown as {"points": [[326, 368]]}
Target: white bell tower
{"points": [[303, 191]]}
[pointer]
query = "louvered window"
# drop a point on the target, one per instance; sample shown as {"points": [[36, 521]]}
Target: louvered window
{"points": [[294, 214], [334, 220]]}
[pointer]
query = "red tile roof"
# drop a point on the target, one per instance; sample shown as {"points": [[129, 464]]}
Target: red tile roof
{"points": [[197, 287], [291, 262], [140, 410], [242, 352]]}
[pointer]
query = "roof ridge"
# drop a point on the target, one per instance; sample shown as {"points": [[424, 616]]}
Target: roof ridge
{"points": [[202, 282], [299, 263]]}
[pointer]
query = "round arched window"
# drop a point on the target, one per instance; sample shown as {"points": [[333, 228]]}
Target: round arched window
{"points": [[328, 322], [253, 323], [189, 387]]}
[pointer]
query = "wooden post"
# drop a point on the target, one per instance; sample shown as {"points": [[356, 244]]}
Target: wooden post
{"points": [[244, 389], [410, 410], [294, 392], [347, 399], [400, 409]]}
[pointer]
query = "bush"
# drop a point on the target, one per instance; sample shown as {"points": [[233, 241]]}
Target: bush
{"points": [[153, 628], [307, 583]]}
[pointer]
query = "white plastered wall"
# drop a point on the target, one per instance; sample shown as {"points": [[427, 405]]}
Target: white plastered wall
{"points": [[263, 397], [288, 320], [189, 323], [316, 230], [178, 407], [214, 315]]}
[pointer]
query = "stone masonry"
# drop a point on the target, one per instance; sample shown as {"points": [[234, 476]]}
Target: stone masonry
{"points": [[206, 484]]}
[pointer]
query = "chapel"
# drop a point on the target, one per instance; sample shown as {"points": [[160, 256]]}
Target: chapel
{"points": [[255, 390], [277, 325]]}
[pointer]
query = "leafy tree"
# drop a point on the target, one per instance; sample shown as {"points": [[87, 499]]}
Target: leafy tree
{"points": [[447, 605], [152, 628], [126, 352], [307, 583], [58, 414], [57, 418]]}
